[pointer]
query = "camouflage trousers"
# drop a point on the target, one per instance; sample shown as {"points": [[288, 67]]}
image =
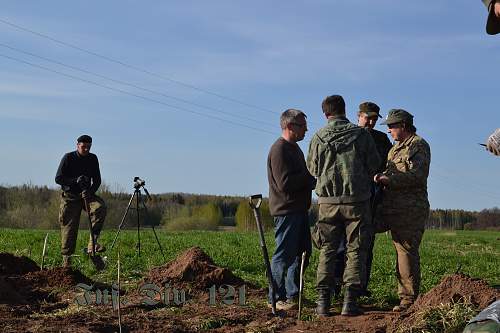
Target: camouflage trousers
{"points": [[335, 222], [69, 218], [407, 230]]}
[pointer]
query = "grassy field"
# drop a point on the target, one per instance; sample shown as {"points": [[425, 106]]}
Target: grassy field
{"points": [[442, 252]]}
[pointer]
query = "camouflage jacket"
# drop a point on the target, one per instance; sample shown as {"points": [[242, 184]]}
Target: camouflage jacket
{"points": [[344, 159], [407, 168]]}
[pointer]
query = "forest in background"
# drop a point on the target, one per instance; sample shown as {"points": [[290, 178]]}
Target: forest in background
{"points": [[32, 206]]}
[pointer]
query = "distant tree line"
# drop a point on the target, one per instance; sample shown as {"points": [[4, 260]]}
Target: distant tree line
{"points": [[31, 206]]}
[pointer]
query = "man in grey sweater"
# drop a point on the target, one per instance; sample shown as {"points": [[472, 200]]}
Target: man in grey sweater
{"points": [[290, 186]]}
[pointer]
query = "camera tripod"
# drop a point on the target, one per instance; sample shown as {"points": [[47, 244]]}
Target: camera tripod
{"points": [[138, 184]]}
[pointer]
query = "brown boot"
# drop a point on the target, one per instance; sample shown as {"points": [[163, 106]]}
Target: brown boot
{"points": [[403, 305], [66, 261]]}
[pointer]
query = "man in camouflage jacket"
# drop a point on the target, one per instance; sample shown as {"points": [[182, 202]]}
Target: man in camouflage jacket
{"points": [[344, 159], [405, 208], [368, 115]]}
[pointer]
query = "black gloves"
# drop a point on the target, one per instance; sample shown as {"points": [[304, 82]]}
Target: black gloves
{"points": [[83, 182]]}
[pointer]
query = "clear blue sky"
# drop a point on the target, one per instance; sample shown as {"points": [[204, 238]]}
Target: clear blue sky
{"points": [[432, 58]]}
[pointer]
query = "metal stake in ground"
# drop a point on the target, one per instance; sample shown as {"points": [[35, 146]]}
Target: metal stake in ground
{"points": [[44, 250], [301, 284], [255, 201], [138, 184], [96, 260], [119, 306]]}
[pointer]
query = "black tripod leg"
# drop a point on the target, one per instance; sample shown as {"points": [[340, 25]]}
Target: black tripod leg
{"points": [[123, 221], [138, 198], [154, 231]]}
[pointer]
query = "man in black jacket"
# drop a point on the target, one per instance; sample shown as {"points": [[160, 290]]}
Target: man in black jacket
{"points": [[79, 177]]}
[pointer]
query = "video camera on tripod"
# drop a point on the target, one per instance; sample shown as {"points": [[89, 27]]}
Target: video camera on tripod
{"points": [[138, 182], [138, 185]]}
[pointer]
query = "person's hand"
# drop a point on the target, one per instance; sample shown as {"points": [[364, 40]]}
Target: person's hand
{"points": [[83, 182], [86, 195], [496, 9], [380, 178], [492, 148]]}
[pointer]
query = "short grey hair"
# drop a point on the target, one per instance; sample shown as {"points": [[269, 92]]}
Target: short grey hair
{"points": [[289, 116]]}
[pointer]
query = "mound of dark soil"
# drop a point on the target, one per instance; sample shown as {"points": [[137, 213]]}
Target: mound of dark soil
{"points": [[62, 277], [39, 287], [457, 287], [13, 265], [452, 288], [193, 267]]}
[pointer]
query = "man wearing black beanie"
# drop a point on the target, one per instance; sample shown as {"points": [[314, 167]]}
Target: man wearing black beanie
{"points": [[79, 177]]}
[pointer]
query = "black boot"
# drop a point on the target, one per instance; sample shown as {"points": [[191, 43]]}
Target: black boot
{"points": [[350, 306], [323, 308]]}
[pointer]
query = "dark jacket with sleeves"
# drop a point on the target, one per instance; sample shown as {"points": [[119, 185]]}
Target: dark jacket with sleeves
{"points": [[74, 165]]}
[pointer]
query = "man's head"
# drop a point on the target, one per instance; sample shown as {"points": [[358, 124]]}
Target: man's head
{"points": [[400, 124], [368, 114], [333, 106], [83, 144], [293, 125]]}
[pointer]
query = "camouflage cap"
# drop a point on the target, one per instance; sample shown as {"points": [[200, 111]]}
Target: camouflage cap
{"points": [[370, 108], [398, 116]]}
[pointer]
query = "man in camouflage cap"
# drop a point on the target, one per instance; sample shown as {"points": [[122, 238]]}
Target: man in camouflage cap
{"points": [[344, 159], [405, 208], [368, 115]]}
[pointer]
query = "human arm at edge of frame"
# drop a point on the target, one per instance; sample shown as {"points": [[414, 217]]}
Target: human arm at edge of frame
{"points": [[419, 160]]}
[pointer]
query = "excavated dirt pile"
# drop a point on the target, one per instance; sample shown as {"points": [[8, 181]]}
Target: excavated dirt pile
{"points": [[11, 264], [61, 277], [22, 281], [193, 268], [455, 288]]}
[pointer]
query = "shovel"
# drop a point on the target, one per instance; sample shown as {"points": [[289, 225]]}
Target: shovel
{"points": [[301, 284], [97, 261], [255, 201]]}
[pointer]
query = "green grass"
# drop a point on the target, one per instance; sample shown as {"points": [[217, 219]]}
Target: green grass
{"points": [[476, 253]]}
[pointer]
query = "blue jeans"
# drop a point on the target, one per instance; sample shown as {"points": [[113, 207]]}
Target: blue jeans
{"points": [[292, 237]]}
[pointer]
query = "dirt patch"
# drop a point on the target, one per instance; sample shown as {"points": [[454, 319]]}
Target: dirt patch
{"points": [[39, 288], [13, 265], [455, 288], [8, 293], [61, 277], [36, 302], [193, 268], [453, 292]]}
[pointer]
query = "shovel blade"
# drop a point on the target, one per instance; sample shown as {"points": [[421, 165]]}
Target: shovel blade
{"points": [[98, 262]]}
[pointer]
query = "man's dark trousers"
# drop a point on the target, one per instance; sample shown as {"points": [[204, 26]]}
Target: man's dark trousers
{"points": [[292, 237]]}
